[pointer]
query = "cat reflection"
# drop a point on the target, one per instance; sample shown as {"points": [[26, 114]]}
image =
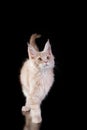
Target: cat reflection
{"points": [[28, 123]]}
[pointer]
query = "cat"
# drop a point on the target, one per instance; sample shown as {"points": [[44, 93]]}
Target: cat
{"points": [[37, 77]]}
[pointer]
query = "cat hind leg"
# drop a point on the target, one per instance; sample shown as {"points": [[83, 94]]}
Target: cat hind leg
{"points": [[26, 107]]}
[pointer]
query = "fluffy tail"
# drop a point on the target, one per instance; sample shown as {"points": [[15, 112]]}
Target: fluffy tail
{"points": [[32, 40]]}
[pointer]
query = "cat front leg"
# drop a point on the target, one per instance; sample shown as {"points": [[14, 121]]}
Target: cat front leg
{"points": [[36, 114], [35, 111]]}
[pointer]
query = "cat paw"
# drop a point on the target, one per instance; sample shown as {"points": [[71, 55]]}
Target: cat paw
{"points": [[25, 108], [36, 119]]}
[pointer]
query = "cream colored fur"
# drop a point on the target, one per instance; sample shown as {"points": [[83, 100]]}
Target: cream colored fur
{"points": [[37, 77]]}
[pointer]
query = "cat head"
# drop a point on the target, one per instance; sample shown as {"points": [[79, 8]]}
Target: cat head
{"points": [[42, 59]]}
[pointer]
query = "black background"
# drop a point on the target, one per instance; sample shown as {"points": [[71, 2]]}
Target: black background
{"points": [[59, 107], [54, 107]]}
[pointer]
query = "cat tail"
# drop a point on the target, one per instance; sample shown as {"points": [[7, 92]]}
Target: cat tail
{"points": [[32, 40]]}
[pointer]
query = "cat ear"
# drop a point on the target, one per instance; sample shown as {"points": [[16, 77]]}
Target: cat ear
{"points": [[31, 51], [47, 47]]}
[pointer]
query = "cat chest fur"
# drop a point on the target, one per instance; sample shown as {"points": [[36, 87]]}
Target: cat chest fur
{"points": [[41, 82]]}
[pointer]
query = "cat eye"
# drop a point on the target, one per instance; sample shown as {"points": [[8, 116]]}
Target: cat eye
{"points": [[48, 57], [39, 59]]}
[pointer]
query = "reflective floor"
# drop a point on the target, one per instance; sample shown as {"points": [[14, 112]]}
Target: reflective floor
{"points": [[28, 125], [54, 115]]}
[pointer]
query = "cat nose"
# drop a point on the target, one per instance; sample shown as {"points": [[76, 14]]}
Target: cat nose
{"points": [[45, 61]]}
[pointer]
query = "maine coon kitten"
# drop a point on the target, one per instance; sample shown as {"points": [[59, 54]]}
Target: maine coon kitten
{"points": [[37, 77]]}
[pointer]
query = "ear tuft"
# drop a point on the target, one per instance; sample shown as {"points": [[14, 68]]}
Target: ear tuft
{"points": [[47, 47], [31, 51]]}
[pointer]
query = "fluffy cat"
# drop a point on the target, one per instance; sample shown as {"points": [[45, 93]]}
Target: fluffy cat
{"points": [[37, 77]]}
